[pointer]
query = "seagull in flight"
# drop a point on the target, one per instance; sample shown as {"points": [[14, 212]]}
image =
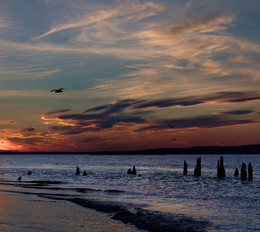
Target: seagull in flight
{"points": [[60, 90], [170, 125]]}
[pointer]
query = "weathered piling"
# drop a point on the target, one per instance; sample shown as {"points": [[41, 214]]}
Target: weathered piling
{"points": [[185, 168], [77, 170], [250, 172], [243, 174], [221, 172], [236, 174], [197, 170], [218, 169], [133, 172]]}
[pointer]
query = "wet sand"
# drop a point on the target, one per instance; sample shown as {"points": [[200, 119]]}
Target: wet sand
{"points": [[30, 213], [48, 209]]}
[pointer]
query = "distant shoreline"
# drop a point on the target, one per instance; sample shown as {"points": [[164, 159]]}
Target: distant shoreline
{"points": [[244, 149]]}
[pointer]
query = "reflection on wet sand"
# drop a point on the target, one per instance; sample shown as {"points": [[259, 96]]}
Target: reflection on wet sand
{"points": [[29, 213]]}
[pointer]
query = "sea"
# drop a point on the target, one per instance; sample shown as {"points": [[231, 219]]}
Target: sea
{"points": [[158, 198]]}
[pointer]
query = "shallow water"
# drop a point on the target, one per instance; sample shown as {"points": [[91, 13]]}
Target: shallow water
{"points": [[226, 204], [28, 213]]}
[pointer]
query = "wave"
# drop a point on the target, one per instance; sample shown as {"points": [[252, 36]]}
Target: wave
{"points": [[148, 220]]}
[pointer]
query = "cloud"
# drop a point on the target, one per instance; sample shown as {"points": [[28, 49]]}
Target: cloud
{"points": [[5, 22], [122, 31], [218, 97], [95, 119], [98, 122], [125, 11], [27, 141], [237, 112], [72, 130], [207, 23], [7, 122], [209, 122], [168, 102], [57, 112], [92, 140], [29, 129], [106, 24], [196, 122], [114, 107], [234, 97], [14, 71], [128, 113]]}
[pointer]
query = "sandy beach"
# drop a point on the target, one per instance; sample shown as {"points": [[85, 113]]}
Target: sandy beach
{"points": [[30, 213]]}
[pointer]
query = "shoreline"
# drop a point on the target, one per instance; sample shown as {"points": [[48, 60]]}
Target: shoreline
{"points": [[114, 213], [32, 213]]}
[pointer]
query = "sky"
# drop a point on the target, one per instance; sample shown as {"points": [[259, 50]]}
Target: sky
{"points": [[136, 74]]}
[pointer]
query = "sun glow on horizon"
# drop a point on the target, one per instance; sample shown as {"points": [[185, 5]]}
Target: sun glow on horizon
{"points": [[6, 145]]}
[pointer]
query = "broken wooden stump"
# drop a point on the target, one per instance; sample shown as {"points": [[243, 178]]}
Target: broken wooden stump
{"points": [[197, 170], [185, 168], [236, 174], [243, 173], [133, 172], [221, 172], [250, 172]]}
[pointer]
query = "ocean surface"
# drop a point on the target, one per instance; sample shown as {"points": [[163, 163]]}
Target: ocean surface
{"points": [[158, 198]]}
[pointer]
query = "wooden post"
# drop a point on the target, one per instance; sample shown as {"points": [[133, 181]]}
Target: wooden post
{"points": [[185, 168], [236, 174], [197, 170], [221, 172], [250, 172], [243, 174]]}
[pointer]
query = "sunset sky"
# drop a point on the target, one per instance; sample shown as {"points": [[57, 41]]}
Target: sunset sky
{"points": [[131, 70]]}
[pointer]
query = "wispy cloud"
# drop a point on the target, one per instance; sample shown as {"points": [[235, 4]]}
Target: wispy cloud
{"points": [[126, 11], [207, 23], [5, 22], [121, 31]]}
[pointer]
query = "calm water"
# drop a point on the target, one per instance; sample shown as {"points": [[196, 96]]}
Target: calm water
{"points": [[228, 204]]}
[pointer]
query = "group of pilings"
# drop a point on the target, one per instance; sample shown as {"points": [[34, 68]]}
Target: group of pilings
{"points": [[243, 173], [221, 172], [78, 172]]}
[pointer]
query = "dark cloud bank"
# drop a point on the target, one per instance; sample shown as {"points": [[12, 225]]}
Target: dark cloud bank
{"points": [[131, 111]]}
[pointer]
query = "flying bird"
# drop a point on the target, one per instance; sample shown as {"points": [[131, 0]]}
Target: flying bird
{"points": [[170, 125], [60, 90], [174, 139]]}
